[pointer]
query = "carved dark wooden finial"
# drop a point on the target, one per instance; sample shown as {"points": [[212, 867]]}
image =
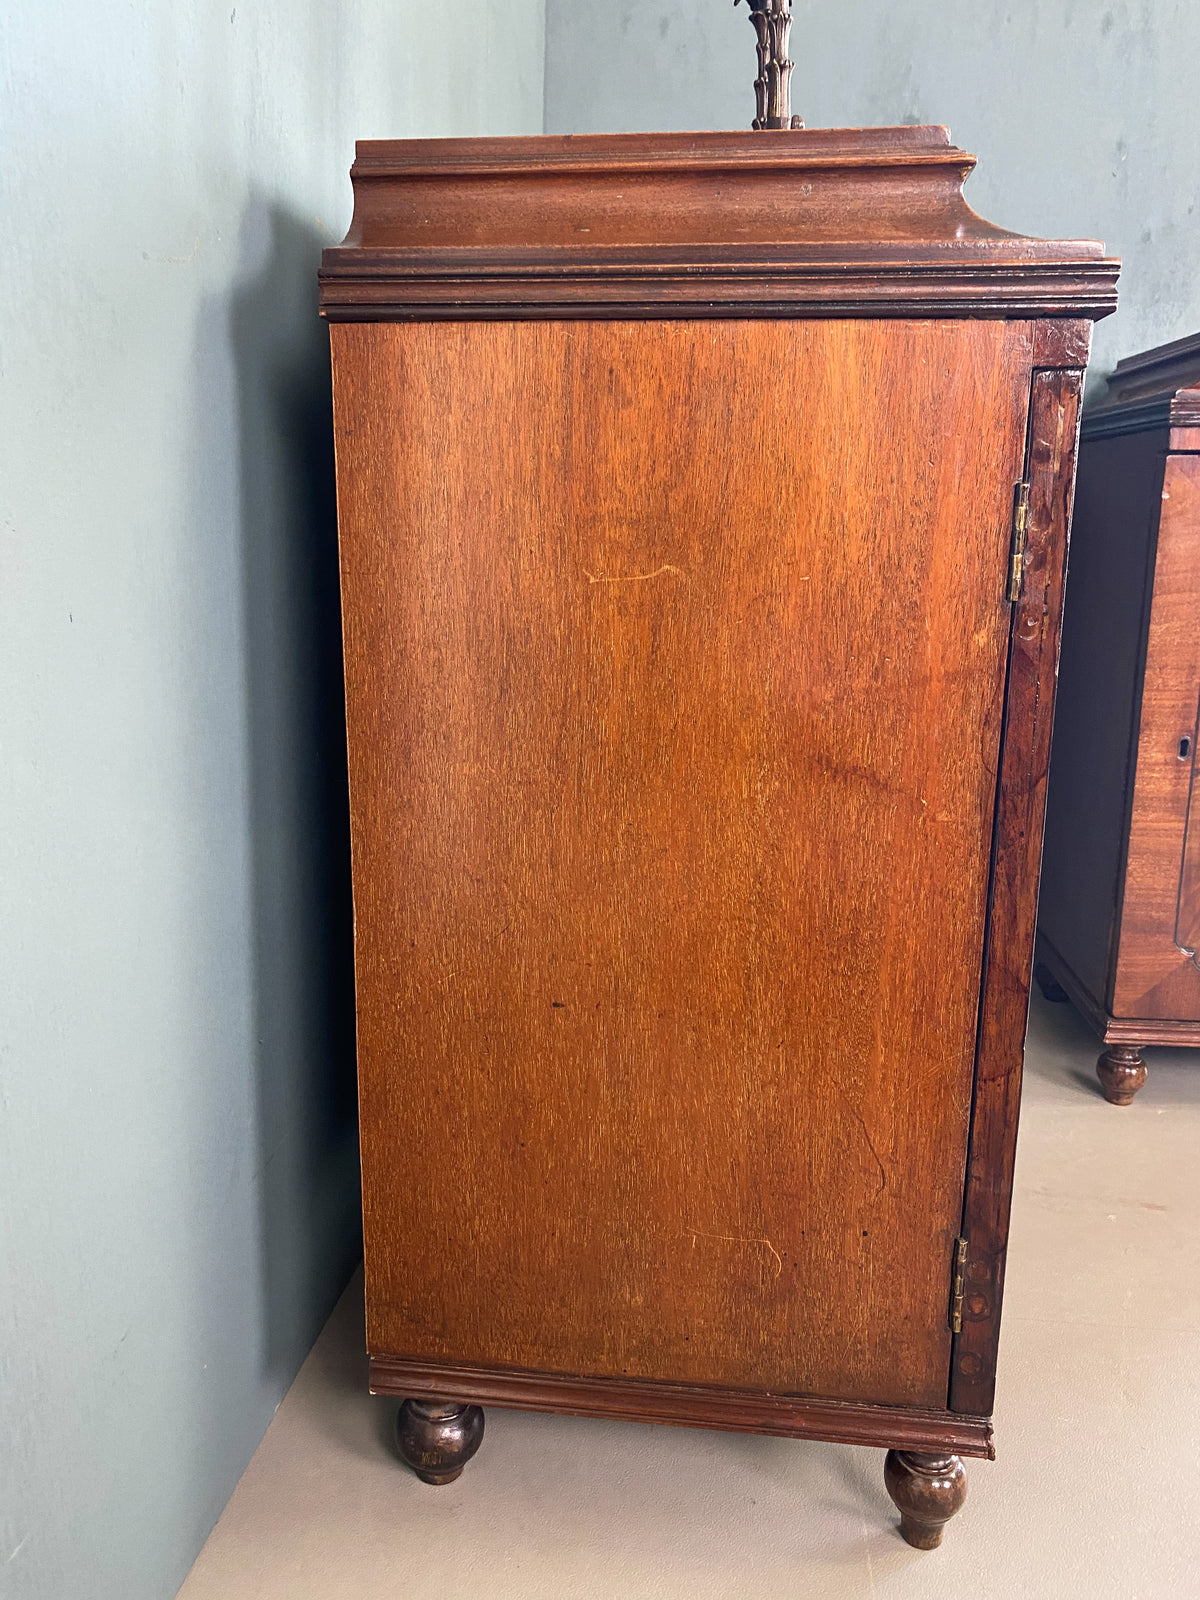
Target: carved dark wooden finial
{"points": [[772, 21]]}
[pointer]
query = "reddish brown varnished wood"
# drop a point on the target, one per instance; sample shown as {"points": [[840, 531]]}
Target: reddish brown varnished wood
{"points": [[1148, 1030], [1187, 914], [673, 755], [1033, 663], [1063, 342], [1120, 918], [818, 222], [1122, 1072], [675, 506], [1156, 973], [1168, 375], [927, 1489], [1114, 1030], [737, 1410]]}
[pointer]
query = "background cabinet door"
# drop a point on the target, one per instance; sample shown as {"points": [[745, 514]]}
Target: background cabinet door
{"points": [[1155, 977], [675, 658], [1187, 917]]}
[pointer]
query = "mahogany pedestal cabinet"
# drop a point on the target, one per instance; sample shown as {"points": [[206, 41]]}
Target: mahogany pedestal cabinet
{"points": [[703, 508], [1119, 925]]}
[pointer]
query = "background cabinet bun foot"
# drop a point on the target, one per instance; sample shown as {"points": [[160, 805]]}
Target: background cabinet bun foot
{"points": [[927, 1491], [438, 1437], [1051, 989], [1122, 1072]]}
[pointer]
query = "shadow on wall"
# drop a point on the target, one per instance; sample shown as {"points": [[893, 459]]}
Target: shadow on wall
{"points": [[299, 809]]}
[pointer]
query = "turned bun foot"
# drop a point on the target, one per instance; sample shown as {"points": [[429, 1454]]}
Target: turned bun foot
{"points": [[438, 1437], [1122, 1072], [1051, 989], [927, 1491]]}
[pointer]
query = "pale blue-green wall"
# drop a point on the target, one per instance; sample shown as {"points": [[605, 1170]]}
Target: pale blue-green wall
{"points": [[178, 1170], [1085, 114]]}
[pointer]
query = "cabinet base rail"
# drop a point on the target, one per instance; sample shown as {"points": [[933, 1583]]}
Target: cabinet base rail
{"points": [[909, 1428]]}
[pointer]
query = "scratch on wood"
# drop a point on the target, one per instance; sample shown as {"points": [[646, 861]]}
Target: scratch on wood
{"points": [[862, 1122], [634, 577], [738, 1238]]}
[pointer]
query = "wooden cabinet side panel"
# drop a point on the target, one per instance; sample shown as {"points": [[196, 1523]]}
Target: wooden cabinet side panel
{"points": [[675, 660], [1103, 641], [1155, 977]]}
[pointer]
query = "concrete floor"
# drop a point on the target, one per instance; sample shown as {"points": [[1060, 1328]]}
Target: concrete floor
{"points": [[1096, 1491]]}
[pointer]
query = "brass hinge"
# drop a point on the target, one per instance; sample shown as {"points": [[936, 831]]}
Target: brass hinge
{"points": [[1016, 555], [956, 1298]]}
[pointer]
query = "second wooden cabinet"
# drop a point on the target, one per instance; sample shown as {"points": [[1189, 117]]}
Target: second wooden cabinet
{"points": [[1119, 924]]}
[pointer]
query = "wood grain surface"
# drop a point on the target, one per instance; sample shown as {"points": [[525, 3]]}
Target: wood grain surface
{"points": [[1113, 1030], [1155, 977], [692, 1406], [827, 222], [675, 658]]}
